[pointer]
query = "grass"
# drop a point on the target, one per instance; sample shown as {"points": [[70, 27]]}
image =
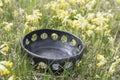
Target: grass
{"points": [[96, 42]]}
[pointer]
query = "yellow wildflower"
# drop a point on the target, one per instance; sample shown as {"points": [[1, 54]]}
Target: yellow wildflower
{"points": [[81, 2], [111, 40], [89, 32], [11, 78], [79, 63], [90, 4], [101, 60], [101, 63], [100, 57], [98, 29], [63, 4], [97, 76], [7, 26], [33, 18], [15, 13], [52, 5], [112, 68], [76, 24], [62, 14], [83, 37], [118, 1], [6, 63], [72, 1], [37, 13], [30, 18], [27, 28], [6, 71], [107, 32], [4, 48], [1, 3], [114, 65], [3, 70], [112, 50], [7, 1], [91, 27], [90, 16]]}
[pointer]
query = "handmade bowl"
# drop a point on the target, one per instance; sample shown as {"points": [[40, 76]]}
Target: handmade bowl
{"points": [[53, 47]]}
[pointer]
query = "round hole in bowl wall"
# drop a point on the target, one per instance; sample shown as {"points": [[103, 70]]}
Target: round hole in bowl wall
{"points": [[44, 35], [27, 41], [64, 39], [54, 36], [41, 65], [55, 66], [73, 42], [34, 37], [79, 46]]}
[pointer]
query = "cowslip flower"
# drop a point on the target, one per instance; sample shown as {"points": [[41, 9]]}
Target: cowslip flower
{"points": [[90, 16], [7, 1], [4, 49], [1, 3], [6, 63], [101, 63], [27, 28], [89, 32], [118, 2], [112, 50], [7, 26], [97, 76], [79, 64], [11, 78], [101, 60], [63, 4], [34, 17], [31, 18], [6, 71], [52, 5], [81, 2], [90, 4], [62, 14], [111, 40], [100, 57], [3, 70], [112, 68]]}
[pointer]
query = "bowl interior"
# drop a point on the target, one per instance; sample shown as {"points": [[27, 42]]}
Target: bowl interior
{"points": [[52, 44], [51, 49]]}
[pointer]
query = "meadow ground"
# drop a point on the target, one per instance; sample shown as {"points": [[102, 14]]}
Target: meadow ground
{"points": [[96, 22]]}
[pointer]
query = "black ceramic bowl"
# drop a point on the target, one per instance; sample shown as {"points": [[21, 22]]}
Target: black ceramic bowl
{"points": [[53, 47]]}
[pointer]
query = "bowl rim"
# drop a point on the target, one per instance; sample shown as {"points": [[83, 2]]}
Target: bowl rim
{"points": [[50, 59]]}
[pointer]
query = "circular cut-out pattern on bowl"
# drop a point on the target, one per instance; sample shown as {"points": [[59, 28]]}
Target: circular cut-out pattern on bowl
{"points": [[44, 36], [73, 42], [64, 39], [34, 37], [55, 66], [79, 46], [27, 41], [54, 36]]}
